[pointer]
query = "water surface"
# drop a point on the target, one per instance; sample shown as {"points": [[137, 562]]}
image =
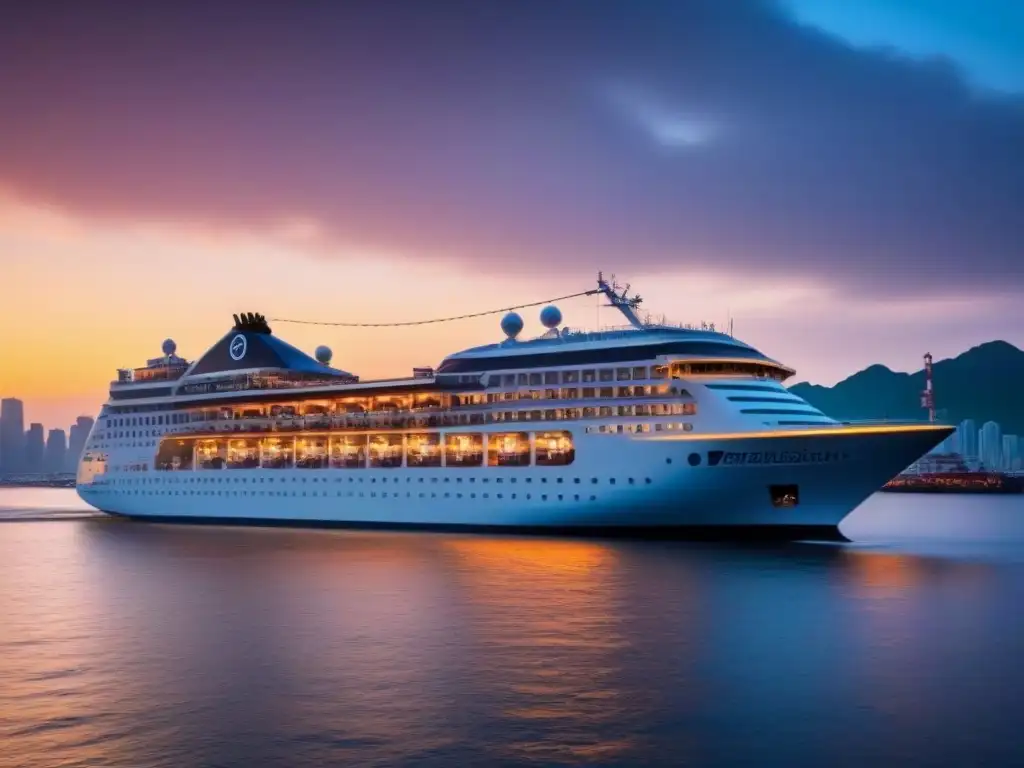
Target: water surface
{"points": [[128, 644]]}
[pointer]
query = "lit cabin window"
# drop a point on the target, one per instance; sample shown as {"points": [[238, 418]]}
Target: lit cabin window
{"points": [[424, 450], [174, 455], [311, 453], [464, 449], [211, 454], [554, 448], [243, 454], [385, 450], [508, 449], [348, 451], [277, 452]]}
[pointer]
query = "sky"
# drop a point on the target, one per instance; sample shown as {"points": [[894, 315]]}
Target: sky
{"points": [[843, 180]]}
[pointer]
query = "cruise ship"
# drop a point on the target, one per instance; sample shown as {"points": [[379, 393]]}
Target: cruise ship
{"points": [[643, 429]]}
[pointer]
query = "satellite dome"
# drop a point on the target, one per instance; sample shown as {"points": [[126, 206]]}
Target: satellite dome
{"points": [[512, 324], [169, 347], [550, 316], [323, 354]]}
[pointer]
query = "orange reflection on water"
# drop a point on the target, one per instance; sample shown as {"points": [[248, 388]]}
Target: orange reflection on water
{"points": [[884, 573], [540, 556], [547, 614]]}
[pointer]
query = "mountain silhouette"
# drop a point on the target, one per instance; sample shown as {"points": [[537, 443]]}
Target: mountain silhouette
{"points": [[984, 384]]}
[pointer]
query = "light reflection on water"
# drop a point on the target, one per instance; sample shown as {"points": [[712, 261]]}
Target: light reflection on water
{"points": [[149, 645]]}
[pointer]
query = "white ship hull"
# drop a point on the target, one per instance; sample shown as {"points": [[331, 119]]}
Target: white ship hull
{"points": [[617, 483]]}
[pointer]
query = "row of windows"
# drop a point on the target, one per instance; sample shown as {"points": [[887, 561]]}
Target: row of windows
{"points": [[365, 494], [407, 421], [384, 405], [618, 429], [147, 421], [113, 438], [633, 373], [430, 449], [570, 393], [208, 479]]}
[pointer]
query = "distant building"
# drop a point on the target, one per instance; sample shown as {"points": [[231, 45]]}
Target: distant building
{"points": [[990, 445], [55, 456], [12, 435], [76, 442], [1011, 453], [34, 448], [967, 440]]}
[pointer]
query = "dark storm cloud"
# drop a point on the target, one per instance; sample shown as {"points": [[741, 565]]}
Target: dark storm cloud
{"points": [[693, 134]]}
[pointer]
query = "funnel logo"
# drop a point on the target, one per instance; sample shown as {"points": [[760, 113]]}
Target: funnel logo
{"points": [[237, 347]]}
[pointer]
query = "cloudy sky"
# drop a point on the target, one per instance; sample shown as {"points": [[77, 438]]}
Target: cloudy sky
{"points": [[845, 180]]}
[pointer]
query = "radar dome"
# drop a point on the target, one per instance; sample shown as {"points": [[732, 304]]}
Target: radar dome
{"points": [[512, 324], [169, 347], [550, 316], [323, 354]]}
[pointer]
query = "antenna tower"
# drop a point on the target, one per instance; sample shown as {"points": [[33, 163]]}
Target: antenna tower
{"points": [[928, 396]]}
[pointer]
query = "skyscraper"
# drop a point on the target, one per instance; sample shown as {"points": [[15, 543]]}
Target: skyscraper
{"points": [[34, 448], [1011, 453], [76, 442], [967, 439], [56, 451], [12, 435], [990, 445]]}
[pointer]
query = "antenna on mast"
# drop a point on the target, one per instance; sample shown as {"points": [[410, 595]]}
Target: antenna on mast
{"points": [[618, 298]]}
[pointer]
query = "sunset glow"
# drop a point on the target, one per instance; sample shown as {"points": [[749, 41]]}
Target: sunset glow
{"points": [[154, 182]]}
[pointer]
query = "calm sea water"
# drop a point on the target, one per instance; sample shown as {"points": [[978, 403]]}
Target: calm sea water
{"points": [[125, 644]]}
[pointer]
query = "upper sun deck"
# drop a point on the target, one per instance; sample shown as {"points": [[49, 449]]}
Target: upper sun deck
{"points": [[569, 338], [569, 348]]}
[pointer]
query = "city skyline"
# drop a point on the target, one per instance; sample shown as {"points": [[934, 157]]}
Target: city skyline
{"points": [[164, 167], [38, 450], [984, 446]]}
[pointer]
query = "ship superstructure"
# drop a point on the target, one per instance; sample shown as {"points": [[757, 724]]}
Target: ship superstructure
{"points": [[649, 427]]}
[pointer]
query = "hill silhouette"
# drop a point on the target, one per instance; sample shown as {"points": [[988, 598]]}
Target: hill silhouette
{"points": [[983, 383]]}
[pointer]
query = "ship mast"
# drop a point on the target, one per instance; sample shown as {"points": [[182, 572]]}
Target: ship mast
{"points": [[618, 298]]}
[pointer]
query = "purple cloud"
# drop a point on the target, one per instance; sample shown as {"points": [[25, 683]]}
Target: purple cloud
{"points": [[685, 135]]}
